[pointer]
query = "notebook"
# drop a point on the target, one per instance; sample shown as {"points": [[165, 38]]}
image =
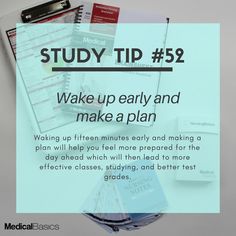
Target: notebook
{"points": [[106, 36], [56, 122]]}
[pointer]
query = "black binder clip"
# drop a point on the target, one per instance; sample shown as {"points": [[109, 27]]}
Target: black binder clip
{"points": [[44, 10]]}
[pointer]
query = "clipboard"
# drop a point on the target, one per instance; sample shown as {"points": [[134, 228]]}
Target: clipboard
{"points": [[46, 12]]}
